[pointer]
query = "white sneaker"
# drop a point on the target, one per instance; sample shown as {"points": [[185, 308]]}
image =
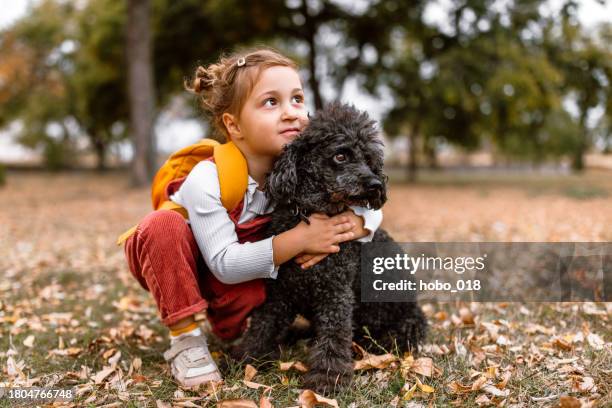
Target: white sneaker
{"points": [[191, 361]]}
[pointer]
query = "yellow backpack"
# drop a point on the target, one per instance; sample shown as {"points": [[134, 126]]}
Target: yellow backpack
{"points": [[231, 167]]}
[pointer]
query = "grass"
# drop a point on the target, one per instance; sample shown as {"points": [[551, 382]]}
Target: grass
{"points": [[375, 388], [584, 186], [75, 267]]}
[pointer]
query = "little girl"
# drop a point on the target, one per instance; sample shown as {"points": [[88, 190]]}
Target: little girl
{"points": [[217, 259]]}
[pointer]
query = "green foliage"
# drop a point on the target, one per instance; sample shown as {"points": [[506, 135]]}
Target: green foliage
{"points": [[494, 75], [2, 175], [498, 81], [57, 155]]}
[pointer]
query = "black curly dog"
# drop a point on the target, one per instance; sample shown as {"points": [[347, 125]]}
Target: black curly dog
{"points": [[336, 162]]}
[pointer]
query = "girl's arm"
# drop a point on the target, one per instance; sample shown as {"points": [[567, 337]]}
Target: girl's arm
{"points": [[229, 261], [232, 262]]}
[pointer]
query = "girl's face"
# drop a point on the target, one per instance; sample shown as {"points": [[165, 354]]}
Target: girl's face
{"points": [[273, 114]]}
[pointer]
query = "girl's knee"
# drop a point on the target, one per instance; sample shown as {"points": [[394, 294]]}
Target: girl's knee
{"points": [[164, 221]]}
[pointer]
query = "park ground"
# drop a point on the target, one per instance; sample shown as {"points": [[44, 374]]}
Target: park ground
{"points": [[71, 315]]}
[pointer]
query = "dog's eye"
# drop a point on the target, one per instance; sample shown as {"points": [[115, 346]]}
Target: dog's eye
{"points": [[340, 158]]}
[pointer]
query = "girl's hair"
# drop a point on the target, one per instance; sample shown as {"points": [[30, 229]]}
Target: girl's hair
{"points": [[225, 85]]}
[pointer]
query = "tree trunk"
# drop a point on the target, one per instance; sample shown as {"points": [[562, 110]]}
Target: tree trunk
{"points": [[578, 156], [313, 82], [412, 167], [100, 149], [432, 154], [141, 91], [578, 159]]}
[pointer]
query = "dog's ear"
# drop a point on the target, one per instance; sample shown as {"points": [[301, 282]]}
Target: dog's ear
{"points": [[281, 183]]}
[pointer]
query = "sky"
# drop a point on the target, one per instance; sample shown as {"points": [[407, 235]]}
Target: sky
{"points": [[174, 134]]}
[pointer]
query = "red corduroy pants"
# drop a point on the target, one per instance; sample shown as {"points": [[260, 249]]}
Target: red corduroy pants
{"points": [[165, 259]]}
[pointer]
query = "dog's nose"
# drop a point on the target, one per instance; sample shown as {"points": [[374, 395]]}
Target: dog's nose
{"points": [[373, 184]]}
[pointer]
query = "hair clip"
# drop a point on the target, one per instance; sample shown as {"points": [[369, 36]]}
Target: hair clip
{"points": [[241, 62]]}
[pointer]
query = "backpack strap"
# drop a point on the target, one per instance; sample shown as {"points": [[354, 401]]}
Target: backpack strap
{"points": [[178, 165], [233, 176]]}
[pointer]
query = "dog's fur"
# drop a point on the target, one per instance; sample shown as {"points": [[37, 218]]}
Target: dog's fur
{"points": [[308, 178]]}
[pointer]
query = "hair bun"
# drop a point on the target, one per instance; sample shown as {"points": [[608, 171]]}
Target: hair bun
{"points": [[203, 81]]}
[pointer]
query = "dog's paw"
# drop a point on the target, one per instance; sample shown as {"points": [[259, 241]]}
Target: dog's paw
{"points": [[225, 364], [241, 352], [248, 354], [327, 382]]}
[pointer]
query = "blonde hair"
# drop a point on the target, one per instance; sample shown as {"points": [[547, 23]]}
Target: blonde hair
{"points": [[225, 86]]}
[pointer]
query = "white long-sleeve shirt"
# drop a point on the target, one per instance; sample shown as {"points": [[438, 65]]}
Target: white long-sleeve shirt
{"points": [[230, 261]]}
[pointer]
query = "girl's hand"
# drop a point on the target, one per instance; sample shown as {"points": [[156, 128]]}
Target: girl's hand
{"points": [[324, 233], [358, 221], [307, 260]]}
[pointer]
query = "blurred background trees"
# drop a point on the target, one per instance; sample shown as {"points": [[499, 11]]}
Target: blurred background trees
{"points": [[500, 75]]}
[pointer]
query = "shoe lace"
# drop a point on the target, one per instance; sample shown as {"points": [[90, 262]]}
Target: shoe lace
{"points": [[195, 354]]}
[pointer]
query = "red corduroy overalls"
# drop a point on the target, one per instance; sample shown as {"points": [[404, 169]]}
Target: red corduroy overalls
{"points": [[164, 257]]}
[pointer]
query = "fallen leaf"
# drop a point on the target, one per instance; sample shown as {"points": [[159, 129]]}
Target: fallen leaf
{"points": [[584, 384], [594, 341], [492, 329], [108, 353], [137, 363], [562, 344], [435, 349], [460, 349], [296, 365], [186, 404], [70, 351], [29, 341], [374, 361], [503, 341], [409, 394], [569, 402], [255, 385], [424, 387], [505, 377], [114, 359], [457, 388], [478, 356], [493, 390], [85, 372], [139, 378], [467, 318], [264, 402], [236, 403], [249, 372], [102, 374], [536, 328], [440, 316], [479, 383], [12, 368], [423, 366], [491, 372], [309, 399]]}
